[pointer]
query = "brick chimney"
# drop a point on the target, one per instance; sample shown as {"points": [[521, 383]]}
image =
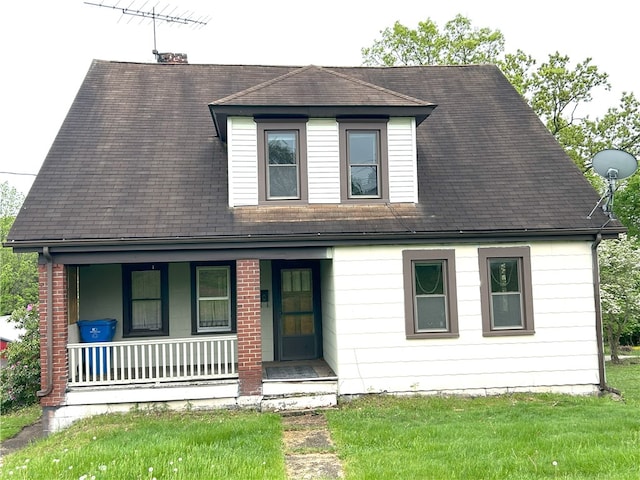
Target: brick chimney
{"points": [[170, 57]]}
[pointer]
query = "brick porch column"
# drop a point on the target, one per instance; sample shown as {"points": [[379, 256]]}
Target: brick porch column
{"points": [[249, 328], [59, 334]]}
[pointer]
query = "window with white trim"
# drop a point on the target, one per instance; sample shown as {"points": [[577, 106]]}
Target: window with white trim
{"points": [[213, 297]]}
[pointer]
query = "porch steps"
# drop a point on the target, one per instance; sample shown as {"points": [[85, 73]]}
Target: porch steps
{"points": [[299, 394]]}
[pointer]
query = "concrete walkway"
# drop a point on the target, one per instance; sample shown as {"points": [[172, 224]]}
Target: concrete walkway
{"points": [[309, 451]]}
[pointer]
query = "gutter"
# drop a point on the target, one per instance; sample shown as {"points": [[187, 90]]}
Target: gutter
{"points": [[596, 295], [49, 387]]}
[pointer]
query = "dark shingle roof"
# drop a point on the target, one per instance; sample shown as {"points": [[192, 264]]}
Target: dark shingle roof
{"points": [[138, 158]]}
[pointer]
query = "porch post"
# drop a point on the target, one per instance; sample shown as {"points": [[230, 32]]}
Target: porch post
{"points": [[53, 390], [249, 328]]}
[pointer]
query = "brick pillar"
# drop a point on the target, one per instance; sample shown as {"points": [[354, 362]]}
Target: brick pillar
{"points": [[59, 334], [249, 328]]}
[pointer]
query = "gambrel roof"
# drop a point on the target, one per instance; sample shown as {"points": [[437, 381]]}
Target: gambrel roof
{"points": [[138, 159]]}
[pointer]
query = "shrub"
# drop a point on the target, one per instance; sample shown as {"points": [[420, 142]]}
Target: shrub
{"points": [[20, 379]]}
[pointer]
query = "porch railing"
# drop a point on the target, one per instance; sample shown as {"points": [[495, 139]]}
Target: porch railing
{"points": [[152, 361]]}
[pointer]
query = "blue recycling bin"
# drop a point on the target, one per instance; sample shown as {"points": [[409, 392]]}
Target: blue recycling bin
{"points": [[93, 331]]}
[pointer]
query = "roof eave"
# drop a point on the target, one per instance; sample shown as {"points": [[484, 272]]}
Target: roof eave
{"points": [[220, 113]]}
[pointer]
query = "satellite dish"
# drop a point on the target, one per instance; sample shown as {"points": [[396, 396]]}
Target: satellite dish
{"points": [[612, 165]]}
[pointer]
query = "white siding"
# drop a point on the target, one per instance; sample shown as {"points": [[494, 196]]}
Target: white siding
{"points": [[375, 356], [403, 181], [329, 326], [242, 149], [323, 161]]}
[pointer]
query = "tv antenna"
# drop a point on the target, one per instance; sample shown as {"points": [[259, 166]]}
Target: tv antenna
{"points": [[186, 18], [612, 165]]}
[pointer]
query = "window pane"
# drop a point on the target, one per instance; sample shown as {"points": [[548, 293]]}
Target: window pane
{"points": [[431, 313], [282, 163], [214, 313], [213, 282], [363, 147], [146, 314], [282, 148], [297, 325], [506, 310], [145, 284], [429, 279], [504, 275], [213, 297], [283, 181], [364, 181]]}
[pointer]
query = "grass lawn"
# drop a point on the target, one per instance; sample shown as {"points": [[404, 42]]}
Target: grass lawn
{"points": [[12, 423], [192, 445], [508, 437]]}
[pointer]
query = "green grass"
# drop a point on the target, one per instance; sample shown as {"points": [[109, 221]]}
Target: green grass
{"points": [[12, 423], [193, 445], [508, 437], [378, 437]]}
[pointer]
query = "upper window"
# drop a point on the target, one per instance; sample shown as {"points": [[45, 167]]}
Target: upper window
{"points": [[505, 287], [213, 298], [430, 293], [282, 160], [363, 156], [146, 304]]}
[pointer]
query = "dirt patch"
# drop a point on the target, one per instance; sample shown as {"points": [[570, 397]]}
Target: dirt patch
{"points": [[313, 466], [298, 440], [309, 448], [311, 421]]}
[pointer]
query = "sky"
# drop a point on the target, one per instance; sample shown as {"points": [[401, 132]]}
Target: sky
{"points": [[49, 46]]}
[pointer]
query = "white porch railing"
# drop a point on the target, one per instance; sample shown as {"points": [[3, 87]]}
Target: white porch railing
{"points": [[152, 361]]}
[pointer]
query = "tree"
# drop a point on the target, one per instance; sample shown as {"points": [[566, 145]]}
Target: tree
{"points": [[619, 290], [458, 44], [19, 271], [20, 379]]}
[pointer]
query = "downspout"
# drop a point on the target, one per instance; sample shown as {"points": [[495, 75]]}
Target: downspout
{"points": [[47, 390], [596, 294]]}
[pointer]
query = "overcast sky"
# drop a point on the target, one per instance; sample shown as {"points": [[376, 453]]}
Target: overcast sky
{"points": [[48, 46]]}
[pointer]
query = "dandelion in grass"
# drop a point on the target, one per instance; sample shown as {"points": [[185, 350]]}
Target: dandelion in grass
{"points": [[554, 463], [102, 468], [56, 460]]}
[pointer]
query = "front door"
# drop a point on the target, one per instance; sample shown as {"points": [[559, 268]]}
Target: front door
{"points": [[296, 301]]}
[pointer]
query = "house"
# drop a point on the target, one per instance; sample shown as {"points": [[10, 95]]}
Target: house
{"points": [[400, 230]]}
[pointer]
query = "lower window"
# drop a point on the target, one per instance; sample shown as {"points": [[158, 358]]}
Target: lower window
{"points": [[213, 294], [430, 293], [146, 305], [505, 287]]}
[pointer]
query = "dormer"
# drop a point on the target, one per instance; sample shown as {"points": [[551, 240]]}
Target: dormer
{"points": [[315, 135]]}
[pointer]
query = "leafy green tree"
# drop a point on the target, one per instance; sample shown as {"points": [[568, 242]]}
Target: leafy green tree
{"points": [[20, 379], [458, 44], [619, 290], [18, 271]]}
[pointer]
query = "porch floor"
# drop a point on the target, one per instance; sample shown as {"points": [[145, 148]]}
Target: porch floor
{"points": [[297, 370]]}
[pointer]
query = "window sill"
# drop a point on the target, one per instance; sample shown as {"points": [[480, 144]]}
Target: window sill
{"points": [[414, 336], [508, 333]]}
